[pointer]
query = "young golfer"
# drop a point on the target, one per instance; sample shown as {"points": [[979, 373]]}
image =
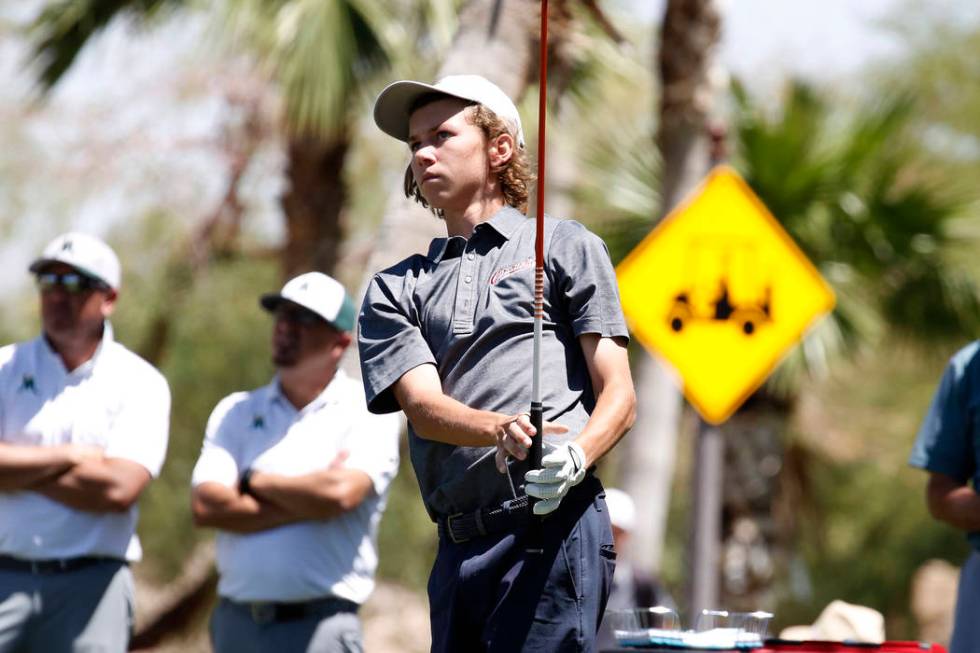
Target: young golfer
{"points": [[447, 337]]}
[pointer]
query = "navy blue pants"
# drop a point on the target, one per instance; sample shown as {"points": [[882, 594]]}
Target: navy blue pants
{"points": [[489, 594]]}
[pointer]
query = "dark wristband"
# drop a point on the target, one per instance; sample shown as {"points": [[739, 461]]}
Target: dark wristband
{"points": [[244, 482]]}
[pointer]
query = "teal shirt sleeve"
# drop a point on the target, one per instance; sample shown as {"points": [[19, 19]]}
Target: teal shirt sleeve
{"points": [[945, 443]]}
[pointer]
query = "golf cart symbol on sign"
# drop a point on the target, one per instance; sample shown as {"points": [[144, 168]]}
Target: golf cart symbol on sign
{"points": [[723, 285]]}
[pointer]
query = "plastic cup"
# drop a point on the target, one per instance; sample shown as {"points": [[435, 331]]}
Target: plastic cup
{"points": [[712, 620], [753, 625], [637, 626]]}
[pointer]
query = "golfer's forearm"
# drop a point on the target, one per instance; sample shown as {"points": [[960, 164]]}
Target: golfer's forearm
{"points": [[443, 419], [435, 415], [613, 416]]}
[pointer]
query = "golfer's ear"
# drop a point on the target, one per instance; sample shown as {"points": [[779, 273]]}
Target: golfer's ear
{"points": [[501, 150]]}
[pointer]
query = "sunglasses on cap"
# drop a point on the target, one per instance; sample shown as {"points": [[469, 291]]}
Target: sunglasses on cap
{"points": [[71, 282], [298, 315]]}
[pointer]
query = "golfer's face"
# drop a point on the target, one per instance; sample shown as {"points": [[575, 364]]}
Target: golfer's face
{"points": [[449, 154]]}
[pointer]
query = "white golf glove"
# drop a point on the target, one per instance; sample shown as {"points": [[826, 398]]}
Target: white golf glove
{"points": [[562, 468]]}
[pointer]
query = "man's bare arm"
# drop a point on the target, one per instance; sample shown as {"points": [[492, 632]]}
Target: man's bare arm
{"points": [[615, 409], [437, 416], [219, 506], [23, 466], [953, 502], [98, 485], [322, 494]]}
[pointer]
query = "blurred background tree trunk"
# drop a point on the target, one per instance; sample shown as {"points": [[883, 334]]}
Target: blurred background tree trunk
{"points": [[313, 204], [689, 34]]}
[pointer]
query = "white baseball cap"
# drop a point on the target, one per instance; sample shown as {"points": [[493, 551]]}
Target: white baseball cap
{"points": [[85, 253], [319, 293], [622, 510], [393, 107]]}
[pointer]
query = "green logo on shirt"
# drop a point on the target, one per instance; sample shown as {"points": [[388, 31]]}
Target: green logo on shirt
{"points": [[27, 383]]}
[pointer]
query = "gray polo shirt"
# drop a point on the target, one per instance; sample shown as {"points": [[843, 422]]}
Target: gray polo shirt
{"points": [[466, 307]]}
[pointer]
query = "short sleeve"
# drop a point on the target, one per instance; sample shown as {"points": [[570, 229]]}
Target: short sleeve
{"points": [[217, 461], [583, 274], [373, 448], [140, 430], [389, 341], [944, 442]]}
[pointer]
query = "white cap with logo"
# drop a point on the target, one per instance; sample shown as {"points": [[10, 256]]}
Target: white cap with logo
{"points": [[318, 293], [394, 105], [87, 254]]}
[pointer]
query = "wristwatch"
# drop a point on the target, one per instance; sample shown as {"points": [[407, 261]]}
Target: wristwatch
{"points": [[244, 481]]}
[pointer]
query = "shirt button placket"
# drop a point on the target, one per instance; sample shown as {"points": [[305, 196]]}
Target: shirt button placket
{"points": [[463, 321]]}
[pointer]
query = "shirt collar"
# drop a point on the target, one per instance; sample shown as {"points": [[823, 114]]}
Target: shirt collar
{"points": [[505, 222], [330, 395], [85, 368]]}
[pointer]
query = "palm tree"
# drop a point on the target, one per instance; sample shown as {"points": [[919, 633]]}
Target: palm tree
{"points": [[320, 54], [851, 195]]}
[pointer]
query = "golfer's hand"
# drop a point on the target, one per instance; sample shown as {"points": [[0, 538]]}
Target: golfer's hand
{"points": [[562, 468], [514, 438]]}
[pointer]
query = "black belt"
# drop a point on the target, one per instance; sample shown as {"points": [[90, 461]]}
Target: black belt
{"points": [[52, 566], [264, 612], [464, 526], [508, 516]]}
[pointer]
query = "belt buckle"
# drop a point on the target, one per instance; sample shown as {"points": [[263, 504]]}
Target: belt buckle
{"points": [[449, 528], [262, 613]]}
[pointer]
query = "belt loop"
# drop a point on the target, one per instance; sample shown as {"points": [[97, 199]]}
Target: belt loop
{"points": [[479, 522], [449, 528]]}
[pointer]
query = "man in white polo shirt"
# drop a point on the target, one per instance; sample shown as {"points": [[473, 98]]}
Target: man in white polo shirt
{"points": [[83, 429], [295, 477]]}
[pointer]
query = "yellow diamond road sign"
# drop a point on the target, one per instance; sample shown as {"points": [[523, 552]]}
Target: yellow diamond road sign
{"points": [[722, 292]]}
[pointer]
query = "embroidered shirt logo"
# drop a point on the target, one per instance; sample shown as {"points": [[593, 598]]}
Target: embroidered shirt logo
{"points": [[27, 383], [258, 422], [514, 268]]}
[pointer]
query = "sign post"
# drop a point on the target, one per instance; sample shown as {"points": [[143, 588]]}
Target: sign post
{"points": [[721, 292]]}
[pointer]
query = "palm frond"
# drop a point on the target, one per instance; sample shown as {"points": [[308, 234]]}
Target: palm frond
{"points": [[316, 50], [64, 27], [849, 194]]}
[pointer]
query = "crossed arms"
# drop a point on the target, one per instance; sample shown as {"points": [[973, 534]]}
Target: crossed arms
{"points": [[78, 476], [276, 500]]}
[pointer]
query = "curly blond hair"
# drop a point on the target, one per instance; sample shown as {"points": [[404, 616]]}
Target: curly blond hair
{"points": [[515, 176]]}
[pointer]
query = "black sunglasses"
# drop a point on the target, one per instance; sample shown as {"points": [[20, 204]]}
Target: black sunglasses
{"points": [[72, 282], [297, 315]]}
